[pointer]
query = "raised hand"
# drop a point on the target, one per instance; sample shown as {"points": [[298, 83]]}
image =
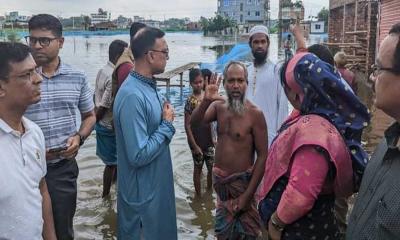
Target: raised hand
{"points": [[211, 88], [298, 35], [296, 29]]}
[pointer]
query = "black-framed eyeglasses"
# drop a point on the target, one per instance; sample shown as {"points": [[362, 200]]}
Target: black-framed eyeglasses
{"points": [[166, 52], [43, 41], [376, 70]]}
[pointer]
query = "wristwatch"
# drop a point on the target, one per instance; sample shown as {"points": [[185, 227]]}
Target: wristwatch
{"points": [[81, 139], [278, 226]]}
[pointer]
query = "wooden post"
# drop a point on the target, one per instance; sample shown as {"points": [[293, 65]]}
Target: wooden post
{"points": [[355, 25], [344, 23], [181, 79], [181, 85], [168, 87]]}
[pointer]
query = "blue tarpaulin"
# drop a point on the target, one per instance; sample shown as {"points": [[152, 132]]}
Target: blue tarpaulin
{"points": [[240, 52]]}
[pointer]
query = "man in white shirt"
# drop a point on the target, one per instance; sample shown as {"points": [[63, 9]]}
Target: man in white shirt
{"points": [[264, 88], [106, 147], [25, 205]]}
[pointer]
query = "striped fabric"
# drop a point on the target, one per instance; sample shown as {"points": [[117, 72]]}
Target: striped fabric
{"points": [[62, 95]]}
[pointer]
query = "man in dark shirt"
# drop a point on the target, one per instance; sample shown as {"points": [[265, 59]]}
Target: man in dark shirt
{"points": [[376, 213]]}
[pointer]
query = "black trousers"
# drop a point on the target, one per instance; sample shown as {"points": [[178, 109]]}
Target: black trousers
{"points": [[61, 182]]}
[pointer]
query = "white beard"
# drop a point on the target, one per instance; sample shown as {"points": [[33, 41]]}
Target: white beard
{"points": [[236, 105]]}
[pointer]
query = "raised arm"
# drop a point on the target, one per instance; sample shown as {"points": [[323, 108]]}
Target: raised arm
{"points": [[298, 36], [206, 111]]}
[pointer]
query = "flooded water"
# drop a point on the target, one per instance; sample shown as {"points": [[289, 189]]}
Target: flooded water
{"points": [[96, 217]]}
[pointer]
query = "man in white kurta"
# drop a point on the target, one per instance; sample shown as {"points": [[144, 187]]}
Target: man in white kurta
{"points": [[264, 87]]}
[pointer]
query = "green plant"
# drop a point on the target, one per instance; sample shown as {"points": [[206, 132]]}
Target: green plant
{"points": [[216, 24], [323, 15], [13, 37]]}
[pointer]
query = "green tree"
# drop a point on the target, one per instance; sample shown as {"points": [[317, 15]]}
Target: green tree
{"points": [[87, 22], [13, 37], [205, 25], [323, 15], [286, 3], [216, 24], [289, 3]]}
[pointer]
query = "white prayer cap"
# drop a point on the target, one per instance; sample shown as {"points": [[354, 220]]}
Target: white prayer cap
{"points": [[259, 29]]}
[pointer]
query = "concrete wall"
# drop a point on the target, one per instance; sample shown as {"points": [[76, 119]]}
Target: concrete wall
{"points": [[317, 27], [243, 11]]}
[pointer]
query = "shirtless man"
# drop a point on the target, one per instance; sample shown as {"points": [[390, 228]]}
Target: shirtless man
{"points": [[242, 132]]}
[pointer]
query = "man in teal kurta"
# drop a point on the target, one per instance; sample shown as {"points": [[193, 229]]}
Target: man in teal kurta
{"points": [[143, 127]]}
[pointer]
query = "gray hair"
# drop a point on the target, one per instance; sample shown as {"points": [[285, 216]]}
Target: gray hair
{"points": [[246, 74]]}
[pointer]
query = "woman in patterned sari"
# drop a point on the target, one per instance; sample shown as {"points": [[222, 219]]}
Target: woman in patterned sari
{"points": [[317, 155]]}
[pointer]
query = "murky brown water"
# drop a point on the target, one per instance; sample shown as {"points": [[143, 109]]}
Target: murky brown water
{"points": [[96, 218]]}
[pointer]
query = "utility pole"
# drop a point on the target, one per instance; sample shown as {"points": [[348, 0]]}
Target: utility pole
{"points": [[280, 23]]}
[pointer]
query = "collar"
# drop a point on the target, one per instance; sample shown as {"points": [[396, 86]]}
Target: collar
{"points": [[392, 135], [110, 64], [150, 81], [7, 129], [62, 69]]}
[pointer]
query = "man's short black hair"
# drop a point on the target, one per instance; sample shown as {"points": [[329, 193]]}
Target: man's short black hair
{"points": [[116, 49], [47, 22], [322, 52], [135, 27], [144, 41], [396, 57], [193, 74], [11, 53]]}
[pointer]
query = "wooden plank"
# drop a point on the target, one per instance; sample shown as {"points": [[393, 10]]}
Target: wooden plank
{"points": [[357, 32], [171, 85], [342, 44], [181, 79], [177, 71]]}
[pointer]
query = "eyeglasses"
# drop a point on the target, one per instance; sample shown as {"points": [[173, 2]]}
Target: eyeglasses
{"points": [[25, 76], [376, 70], [166, 52], [43, 41]]}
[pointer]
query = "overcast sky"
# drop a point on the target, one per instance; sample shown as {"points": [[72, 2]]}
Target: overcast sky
{"points": [[156, 9]]}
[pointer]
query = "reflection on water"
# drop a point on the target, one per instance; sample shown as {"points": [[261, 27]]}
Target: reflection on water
{"points": [[95, 217]]}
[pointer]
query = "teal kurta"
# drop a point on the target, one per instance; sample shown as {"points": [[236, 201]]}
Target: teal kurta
{"points": [[145, 179]]}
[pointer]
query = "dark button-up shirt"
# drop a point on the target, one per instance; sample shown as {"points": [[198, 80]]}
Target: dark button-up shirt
{"points": [[376, 213]]}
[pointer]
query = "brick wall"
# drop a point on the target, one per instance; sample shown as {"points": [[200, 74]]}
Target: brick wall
{"points": [[348, 16], [336, 23]]}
